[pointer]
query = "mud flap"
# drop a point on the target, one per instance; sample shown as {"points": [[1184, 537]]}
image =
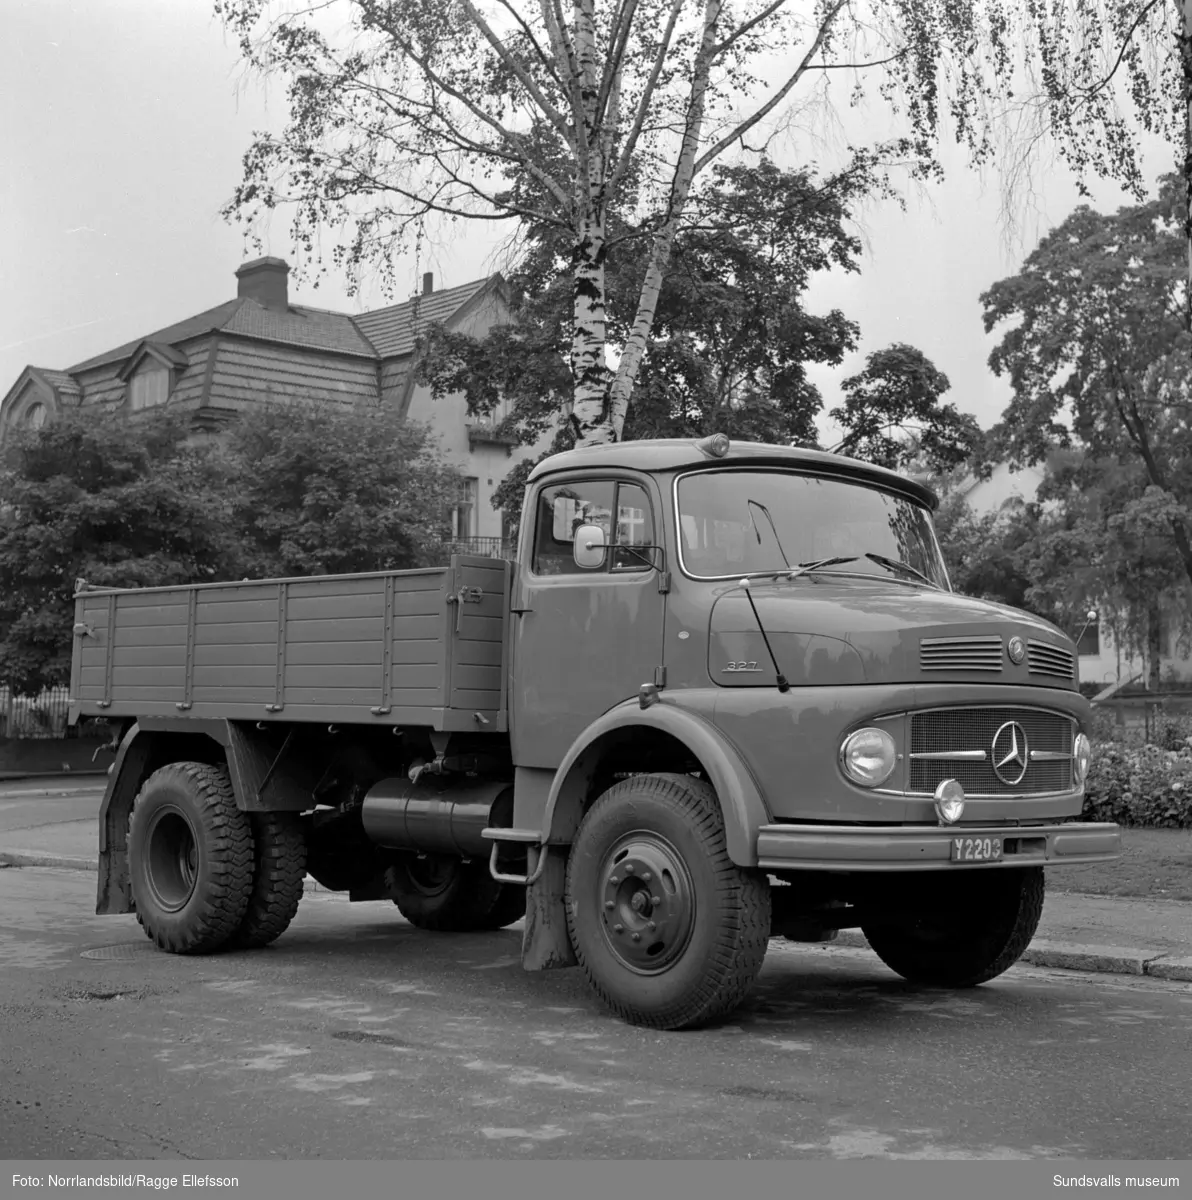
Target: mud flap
{"points": [[545, 944]]}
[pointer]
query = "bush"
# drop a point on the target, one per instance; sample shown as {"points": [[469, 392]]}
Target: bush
{"points": [[1136, 782]]}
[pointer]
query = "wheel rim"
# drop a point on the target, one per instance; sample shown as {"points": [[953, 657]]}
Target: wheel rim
{"points": [[432, 875], [172, 859], [647, 902]]}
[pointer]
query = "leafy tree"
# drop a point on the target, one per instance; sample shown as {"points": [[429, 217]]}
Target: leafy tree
{"points": [[320, 490], [92, 496], [287, 490], [1099, 72], [407, 115], [1106, 544], [893, 413], [1090, 326], [985, 552]]}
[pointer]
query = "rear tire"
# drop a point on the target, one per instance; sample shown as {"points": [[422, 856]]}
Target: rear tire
{"points": [[973, 929], [278, 875], [669, 931], [447, 895], [190, 858]]}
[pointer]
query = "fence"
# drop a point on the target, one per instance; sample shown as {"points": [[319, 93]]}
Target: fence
{"points": [[41, 717], [493, 547]]}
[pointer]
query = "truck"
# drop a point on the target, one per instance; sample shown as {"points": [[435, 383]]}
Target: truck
{"points": [[723, 694]]}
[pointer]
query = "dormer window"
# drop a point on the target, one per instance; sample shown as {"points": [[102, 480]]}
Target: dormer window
{"points": [[149, 386]]}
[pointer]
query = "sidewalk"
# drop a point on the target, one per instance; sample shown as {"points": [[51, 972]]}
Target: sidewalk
{"points": [[1108, 934]]}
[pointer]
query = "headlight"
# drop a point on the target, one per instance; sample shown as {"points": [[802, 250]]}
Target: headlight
{"points": [[1082, 756], [867, 756], [949, 802]]}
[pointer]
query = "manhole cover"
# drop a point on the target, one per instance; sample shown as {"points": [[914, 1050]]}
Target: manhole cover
{"points": [[121, 952]]}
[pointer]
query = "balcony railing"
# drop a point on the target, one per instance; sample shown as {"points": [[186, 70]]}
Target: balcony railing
{"points": [[493, 547]]}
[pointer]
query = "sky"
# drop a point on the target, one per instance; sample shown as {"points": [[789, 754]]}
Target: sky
{"points": [[122, 125]]}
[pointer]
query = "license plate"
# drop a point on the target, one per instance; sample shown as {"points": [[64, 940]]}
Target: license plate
{"points": [[976, 849]]}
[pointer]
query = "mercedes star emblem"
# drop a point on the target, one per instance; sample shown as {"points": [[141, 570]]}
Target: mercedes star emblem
{"points": [[1016, 649], [1010, 754]]}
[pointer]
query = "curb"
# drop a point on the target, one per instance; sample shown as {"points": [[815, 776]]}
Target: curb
{"points": [[32, 858], [1101, 960]]}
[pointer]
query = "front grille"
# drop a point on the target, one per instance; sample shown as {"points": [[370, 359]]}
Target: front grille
{"points": [[961, 654], [1045, 659], [973, 729]]}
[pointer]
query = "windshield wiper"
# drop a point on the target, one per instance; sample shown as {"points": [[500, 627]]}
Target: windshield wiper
{"points": [[896, 564], [805, 568]]}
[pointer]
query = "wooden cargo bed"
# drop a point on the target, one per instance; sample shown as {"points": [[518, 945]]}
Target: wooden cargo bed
{"points": [[422, 647]]}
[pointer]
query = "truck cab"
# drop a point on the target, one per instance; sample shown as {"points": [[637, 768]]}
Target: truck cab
{"points": [[726, 694]]}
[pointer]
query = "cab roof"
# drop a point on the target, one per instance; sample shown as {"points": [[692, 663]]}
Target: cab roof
{"points": [[672, 454]]}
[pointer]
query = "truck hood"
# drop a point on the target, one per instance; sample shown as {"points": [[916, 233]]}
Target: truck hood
{"points": [[832, 631]]}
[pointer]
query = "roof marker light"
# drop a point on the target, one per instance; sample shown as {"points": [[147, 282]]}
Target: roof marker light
{"points": [[717, 445]]}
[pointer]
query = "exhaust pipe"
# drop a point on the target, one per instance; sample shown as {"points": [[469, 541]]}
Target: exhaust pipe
{"points": [[436, 815]]}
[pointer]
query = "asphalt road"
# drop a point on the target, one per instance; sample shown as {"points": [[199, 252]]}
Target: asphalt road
{"points": [[356, 1036]]}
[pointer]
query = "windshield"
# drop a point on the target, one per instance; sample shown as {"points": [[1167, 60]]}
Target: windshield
{"points": [[738, 522]]}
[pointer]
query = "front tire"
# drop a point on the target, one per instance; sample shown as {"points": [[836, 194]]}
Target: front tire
{"points": [[443, 894], [973, 930], [190, 858], [668, 930]]}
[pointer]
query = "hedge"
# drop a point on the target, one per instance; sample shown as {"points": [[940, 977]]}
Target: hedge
{"points": [[1138, 782]]}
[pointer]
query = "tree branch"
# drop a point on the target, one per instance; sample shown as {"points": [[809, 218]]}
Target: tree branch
{"points": [[647, 95], [825, 25], [511, 61]]}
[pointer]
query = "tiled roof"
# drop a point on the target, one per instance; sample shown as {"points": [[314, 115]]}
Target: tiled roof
{"points": [[204, 322], [384, 332], [311, 328], [393, 330], [59, 380]]}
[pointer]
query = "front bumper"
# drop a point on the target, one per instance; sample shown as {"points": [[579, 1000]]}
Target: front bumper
{"points": [[928, 847]]}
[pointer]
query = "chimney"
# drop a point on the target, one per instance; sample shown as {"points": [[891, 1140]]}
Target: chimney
{"points": [[264, 280], [428, 283]]}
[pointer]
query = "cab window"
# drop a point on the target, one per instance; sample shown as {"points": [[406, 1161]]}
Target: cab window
{"points": [[622, 510]]}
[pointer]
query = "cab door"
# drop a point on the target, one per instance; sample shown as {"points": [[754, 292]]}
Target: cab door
{"points": [[583, 639]]}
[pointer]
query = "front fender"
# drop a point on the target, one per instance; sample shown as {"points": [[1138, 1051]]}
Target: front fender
{"points": [[741, 801]]}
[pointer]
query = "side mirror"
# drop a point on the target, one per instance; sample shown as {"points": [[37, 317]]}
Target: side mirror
{"points": [[589, 547]]}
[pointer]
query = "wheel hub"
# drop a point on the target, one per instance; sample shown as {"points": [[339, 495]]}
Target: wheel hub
{"points": [[648, 902], [173, 860]]}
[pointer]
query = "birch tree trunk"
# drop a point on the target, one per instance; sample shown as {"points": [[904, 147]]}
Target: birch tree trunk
{"points": [[589, 368], [613, 425]]}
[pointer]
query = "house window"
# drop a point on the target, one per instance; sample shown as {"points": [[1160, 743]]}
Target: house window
{"points": [[463, 512], [1090, 640], [150, 386], [35, 415]]}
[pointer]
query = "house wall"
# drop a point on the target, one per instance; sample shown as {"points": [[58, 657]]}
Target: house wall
{"points": [[448, 416], [249, 372], [990, 495]]}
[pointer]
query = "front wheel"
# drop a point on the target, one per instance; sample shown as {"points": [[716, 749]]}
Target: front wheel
{"points": [[447, 895], [970, 930], [668, 930]]}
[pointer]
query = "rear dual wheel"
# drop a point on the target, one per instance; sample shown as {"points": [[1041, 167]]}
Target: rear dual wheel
{"points": [[204, 875]]}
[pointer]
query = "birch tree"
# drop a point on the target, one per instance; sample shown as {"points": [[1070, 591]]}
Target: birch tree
{"points": [[404, 111]]}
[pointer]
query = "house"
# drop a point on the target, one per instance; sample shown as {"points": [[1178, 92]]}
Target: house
{"points": [[1102, 660], [260, 347]]}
